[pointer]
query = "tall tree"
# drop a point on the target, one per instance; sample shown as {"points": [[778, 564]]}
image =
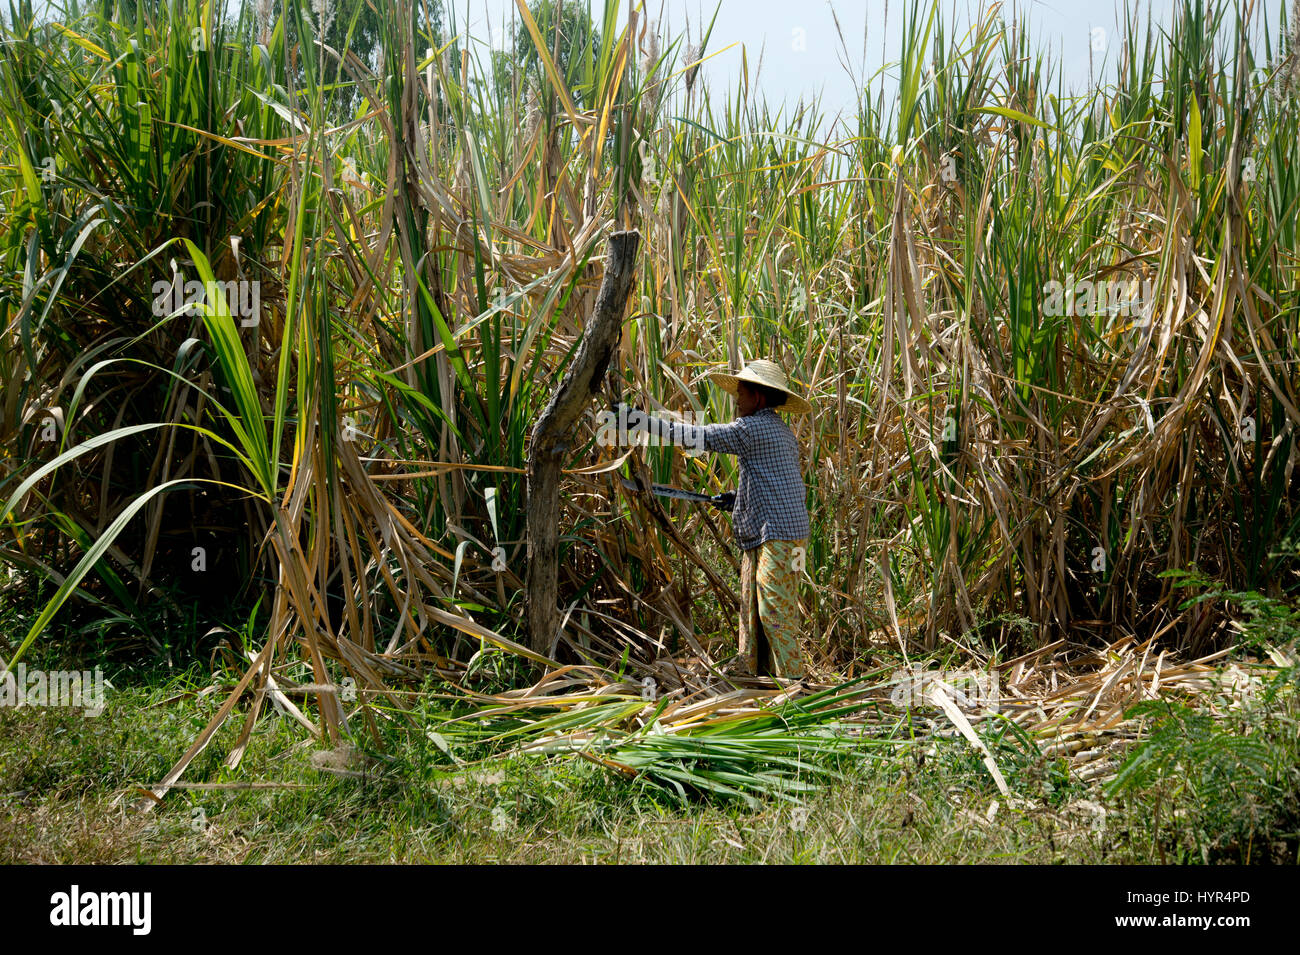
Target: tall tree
{"points": [[357, 26], [572, 40]]}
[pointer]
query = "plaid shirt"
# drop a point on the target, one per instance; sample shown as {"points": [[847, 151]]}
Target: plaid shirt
{"points": [[770, 496]]}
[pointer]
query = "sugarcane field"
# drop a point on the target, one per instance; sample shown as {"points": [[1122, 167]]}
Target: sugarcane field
{"points": [[646, 432]]}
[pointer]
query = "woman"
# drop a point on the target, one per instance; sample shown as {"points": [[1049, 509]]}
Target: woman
{"points": [[770, 518]]}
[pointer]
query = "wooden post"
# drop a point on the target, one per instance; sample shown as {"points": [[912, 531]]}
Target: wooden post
{"points": [[552, 437]]}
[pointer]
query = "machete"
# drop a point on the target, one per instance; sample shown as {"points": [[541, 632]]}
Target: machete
{"points": [[723, 502]]}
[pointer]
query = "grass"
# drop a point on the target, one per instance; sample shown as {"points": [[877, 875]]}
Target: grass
{"points": [[1182, 796], [61, 772]]}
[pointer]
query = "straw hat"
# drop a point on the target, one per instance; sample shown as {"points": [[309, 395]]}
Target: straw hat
{"points": [[760, 371]]}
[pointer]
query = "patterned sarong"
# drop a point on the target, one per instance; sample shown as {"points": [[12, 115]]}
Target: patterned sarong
{"points": [[769, 608]]}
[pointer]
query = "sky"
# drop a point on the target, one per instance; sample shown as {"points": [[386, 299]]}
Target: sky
{"points": [[802, 53]]}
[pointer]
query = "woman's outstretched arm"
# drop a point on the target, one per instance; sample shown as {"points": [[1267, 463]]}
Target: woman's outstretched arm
{"points": [[731, 438]]}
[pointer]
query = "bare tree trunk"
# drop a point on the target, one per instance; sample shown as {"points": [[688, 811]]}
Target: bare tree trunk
{"points": [[551, 439]]}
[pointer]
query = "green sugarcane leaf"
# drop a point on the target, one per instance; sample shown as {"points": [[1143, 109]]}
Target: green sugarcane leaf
{"points": [[1012, 114], [92, 557]]}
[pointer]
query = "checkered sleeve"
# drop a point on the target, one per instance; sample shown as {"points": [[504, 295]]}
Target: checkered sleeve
{"points": [[731, 438], [770, 489]]}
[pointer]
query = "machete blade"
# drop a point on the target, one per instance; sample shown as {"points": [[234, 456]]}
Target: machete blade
{"points": [[665, 490]]}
